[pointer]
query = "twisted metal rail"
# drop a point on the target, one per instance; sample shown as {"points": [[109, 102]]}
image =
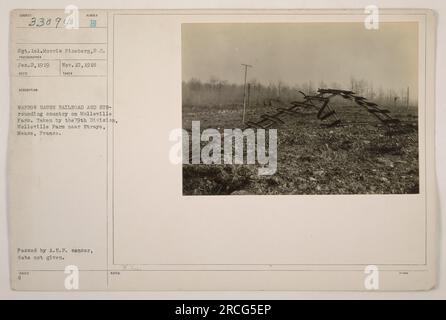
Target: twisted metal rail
{"points": [[321, 102]]}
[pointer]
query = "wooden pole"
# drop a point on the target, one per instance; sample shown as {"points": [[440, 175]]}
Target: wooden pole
{"points": [[249, 94], [246, 66], [407, 102]]}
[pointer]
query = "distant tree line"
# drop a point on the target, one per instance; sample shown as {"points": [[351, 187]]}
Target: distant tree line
{"points": [[219, 92]]}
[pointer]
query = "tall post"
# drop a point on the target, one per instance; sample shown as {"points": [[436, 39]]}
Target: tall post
{"points": [[246, 66], [249, 94], [407, 102]]}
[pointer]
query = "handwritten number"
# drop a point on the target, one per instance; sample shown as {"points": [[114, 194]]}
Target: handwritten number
{"points": [[33, 22], [41, 22]]}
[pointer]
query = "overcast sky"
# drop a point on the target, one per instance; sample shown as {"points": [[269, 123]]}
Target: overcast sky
{"points": [[297, 53]]}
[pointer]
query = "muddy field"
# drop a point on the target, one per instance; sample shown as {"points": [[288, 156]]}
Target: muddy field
{"points": [[358, 157]]}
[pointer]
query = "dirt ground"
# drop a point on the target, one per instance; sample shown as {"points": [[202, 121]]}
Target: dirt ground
{"points": [[357, 157]]}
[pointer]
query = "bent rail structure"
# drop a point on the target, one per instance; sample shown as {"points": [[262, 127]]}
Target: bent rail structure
{"points": [[321, 102]]}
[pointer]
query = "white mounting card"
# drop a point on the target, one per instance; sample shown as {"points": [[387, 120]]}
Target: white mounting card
{"points": [[222, 150]]}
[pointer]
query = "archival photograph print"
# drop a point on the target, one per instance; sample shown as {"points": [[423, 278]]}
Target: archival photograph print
{"points": [[300, 108]]}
